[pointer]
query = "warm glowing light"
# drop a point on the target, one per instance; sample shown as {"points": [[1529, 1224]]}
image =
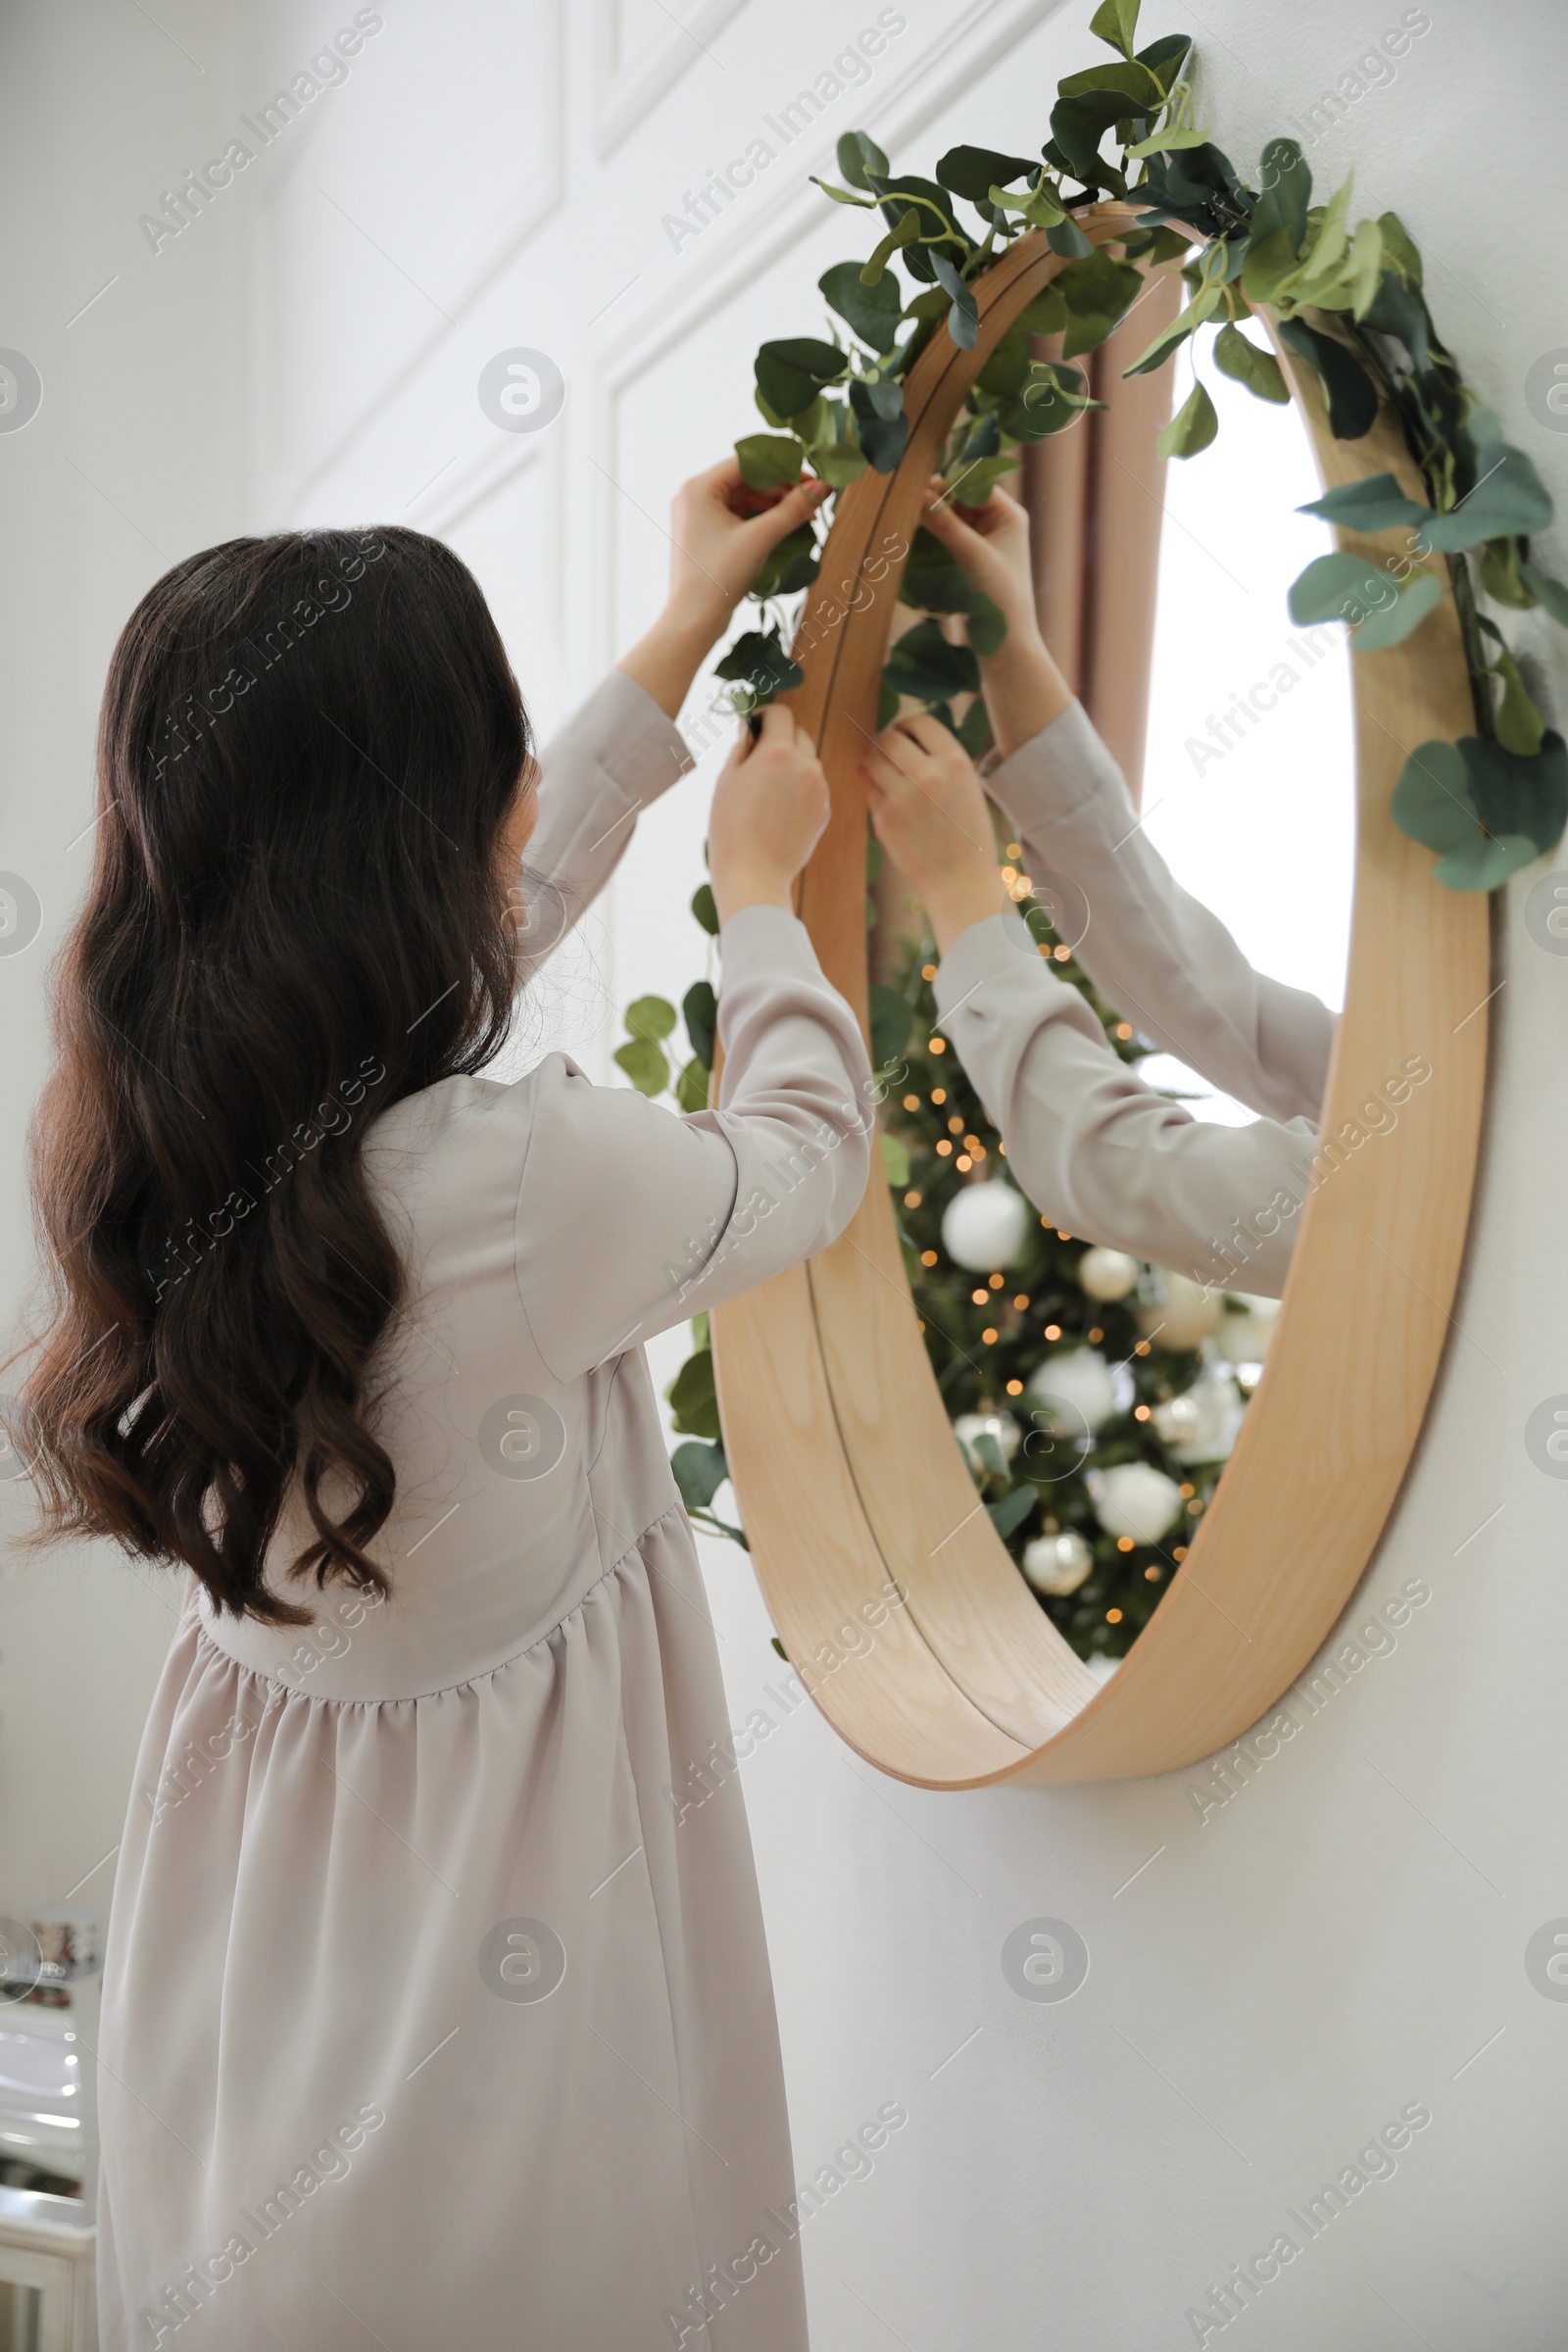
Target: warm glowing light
{"points": [[1015, 849], [1052, 1331], [980, 1298], [963, 1163], [1095, 1336], [1140, 1412], [1180, 1552], [990, 1337], [1021, 1302], [1061, 954], [1124, 1543], [1016, 1388], [912, 1101], [1124, 1029], [911, 1200], [1113, 1616], [939, 1094], [939, 1045], [1151, 1575], [1142, 1348], [1192, 1510], [1189, 1490], [955, 1126], [996, 1281], [928, 1258]]}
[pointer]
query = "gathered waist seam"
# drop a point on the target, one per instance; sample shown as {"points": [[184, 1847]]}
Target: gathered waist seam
{"points": [[274, 1682]]}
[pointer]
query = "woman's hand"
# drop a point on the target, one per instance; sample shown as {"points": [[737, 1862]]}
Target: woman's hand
{"points": [[721, 534], [1023, 688], [771, 809], [929, 812]]}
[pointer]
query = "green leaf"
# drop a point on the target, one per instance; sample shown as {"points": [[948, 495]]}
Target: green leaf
{"points": [[1374, 504], [857, 154], [1128, 80], [1421, 594], [842, 195], [700, 1011], [1351, 395], [964, 317], [700, 1471], [837, 463], [1201, 308], [882, 436], [1167, 142], [760, 663], [1237, 355], [895, 1163], [1338, 587], [892, 1018], [1400, 247], [1116, 21], [925, 666], [1485, 863], [694, 1402], [1287, 194], [988, 624], [1508, 500], [691, 1088], [887, 703], [1549, 593], [1067, 238], [790, 564], [1518, 724], [973, 172], [873, 312], [1099, 292], [1328, 245], [644, 1064], [974, 728], [790, 375], [1518, 793], [651, 1016], [704, 909], [973, 482], [1270, 262], [1192, 428], [1501, 577], [1432, 800], [768, 462], [1045, 314], [1009, 1514]]}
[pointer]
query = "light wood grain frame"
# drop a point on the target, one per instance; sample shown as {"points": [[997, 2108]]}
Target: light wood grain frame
{"points": [[851, 1485]]}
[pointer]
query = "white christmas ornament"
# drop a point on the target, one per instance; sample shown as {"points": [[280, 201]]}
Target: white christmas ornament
{"points": [[985, 1226], [1204, 1425], [1135, 1500], [1107, 1274], [999, 1425], [1184, 1317], [1057, 1565], [1075, 1390], [1245, 1338]]}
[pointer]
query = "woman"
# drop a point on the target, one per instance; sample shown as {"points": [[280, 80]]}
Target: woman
{"points": [[427, 2017], [1100, 1152]]}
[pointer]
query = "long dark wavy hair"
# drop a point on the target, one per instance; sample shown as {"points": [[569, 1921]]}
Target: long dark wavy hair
{"points": [[298, 914]]}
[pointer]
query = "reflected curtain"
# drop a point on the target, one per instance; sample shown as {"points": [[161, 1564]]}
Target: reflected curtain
{"points": [[1096, 500]]}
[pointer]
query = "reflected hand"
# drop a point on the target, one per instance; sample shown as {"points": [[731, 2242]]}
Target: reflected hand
{"points": [[770, 812], [929, 812], [1024, 690]]}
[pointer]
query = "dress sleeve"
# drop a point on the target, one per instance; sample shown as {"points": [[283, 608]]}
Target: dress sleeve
{"points": [[609, 763], [1152, 951], [631, 1218], [1099, 1151]]}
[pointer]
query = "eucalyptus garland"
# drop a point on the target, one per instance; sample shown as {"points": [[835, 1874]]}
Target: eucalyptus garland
{"points": [[835, 405]]}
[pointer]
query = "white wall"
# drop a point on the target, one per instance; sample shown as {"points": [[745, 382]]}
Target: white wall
{"points": [[1270, 1983]]}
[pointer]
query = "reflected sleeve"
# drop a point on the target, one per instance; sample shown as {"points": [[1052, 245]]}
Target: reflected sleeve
{"points": [[1152, 950], [596, 773]]}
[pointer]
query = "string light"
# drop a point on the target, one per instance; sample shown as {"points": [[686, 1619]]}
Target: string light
{"points": [[1052, 1331], [989, 1336], [1142, 1348], [1140, 1412], [1095, 1336], [913, 1200], [944, 1147], [980, 1298], [1021, 1302], [912, 1101], [1016, 1388], [1180, 1552], [1061, 954], [938, 1045], [939, 1094], [1015, 849], [928, 971], [1151, 1576], [928, 1258], [1124, 1030], [1124, 1543], [963, 1163], [1113, 1616], [996, 1281]]}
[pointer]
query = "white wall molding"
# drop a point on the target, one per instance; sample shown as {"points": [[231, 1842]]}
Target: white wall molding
{"points": [[626, 94]]}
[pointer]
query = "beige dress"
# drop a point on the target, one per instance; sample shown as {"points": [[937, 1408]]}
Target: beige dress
{"points": [[1101, 1153], [429, 2018]]}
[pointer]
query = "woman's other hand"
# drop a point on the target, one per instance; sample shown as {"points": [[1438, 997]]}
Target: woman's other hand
{"points": [[721, 534], [1023, 688], [770, 812], [929, 811]]}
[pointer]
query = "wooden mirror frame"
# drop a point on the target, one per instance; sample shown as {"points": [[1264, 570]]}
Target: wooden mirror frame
{"points": [[851, 1484]]}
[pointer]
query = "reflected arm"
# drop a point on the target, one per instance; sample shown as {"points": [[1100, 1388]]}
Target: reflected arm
{"points": [[1155, 952], [612, 760]]}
